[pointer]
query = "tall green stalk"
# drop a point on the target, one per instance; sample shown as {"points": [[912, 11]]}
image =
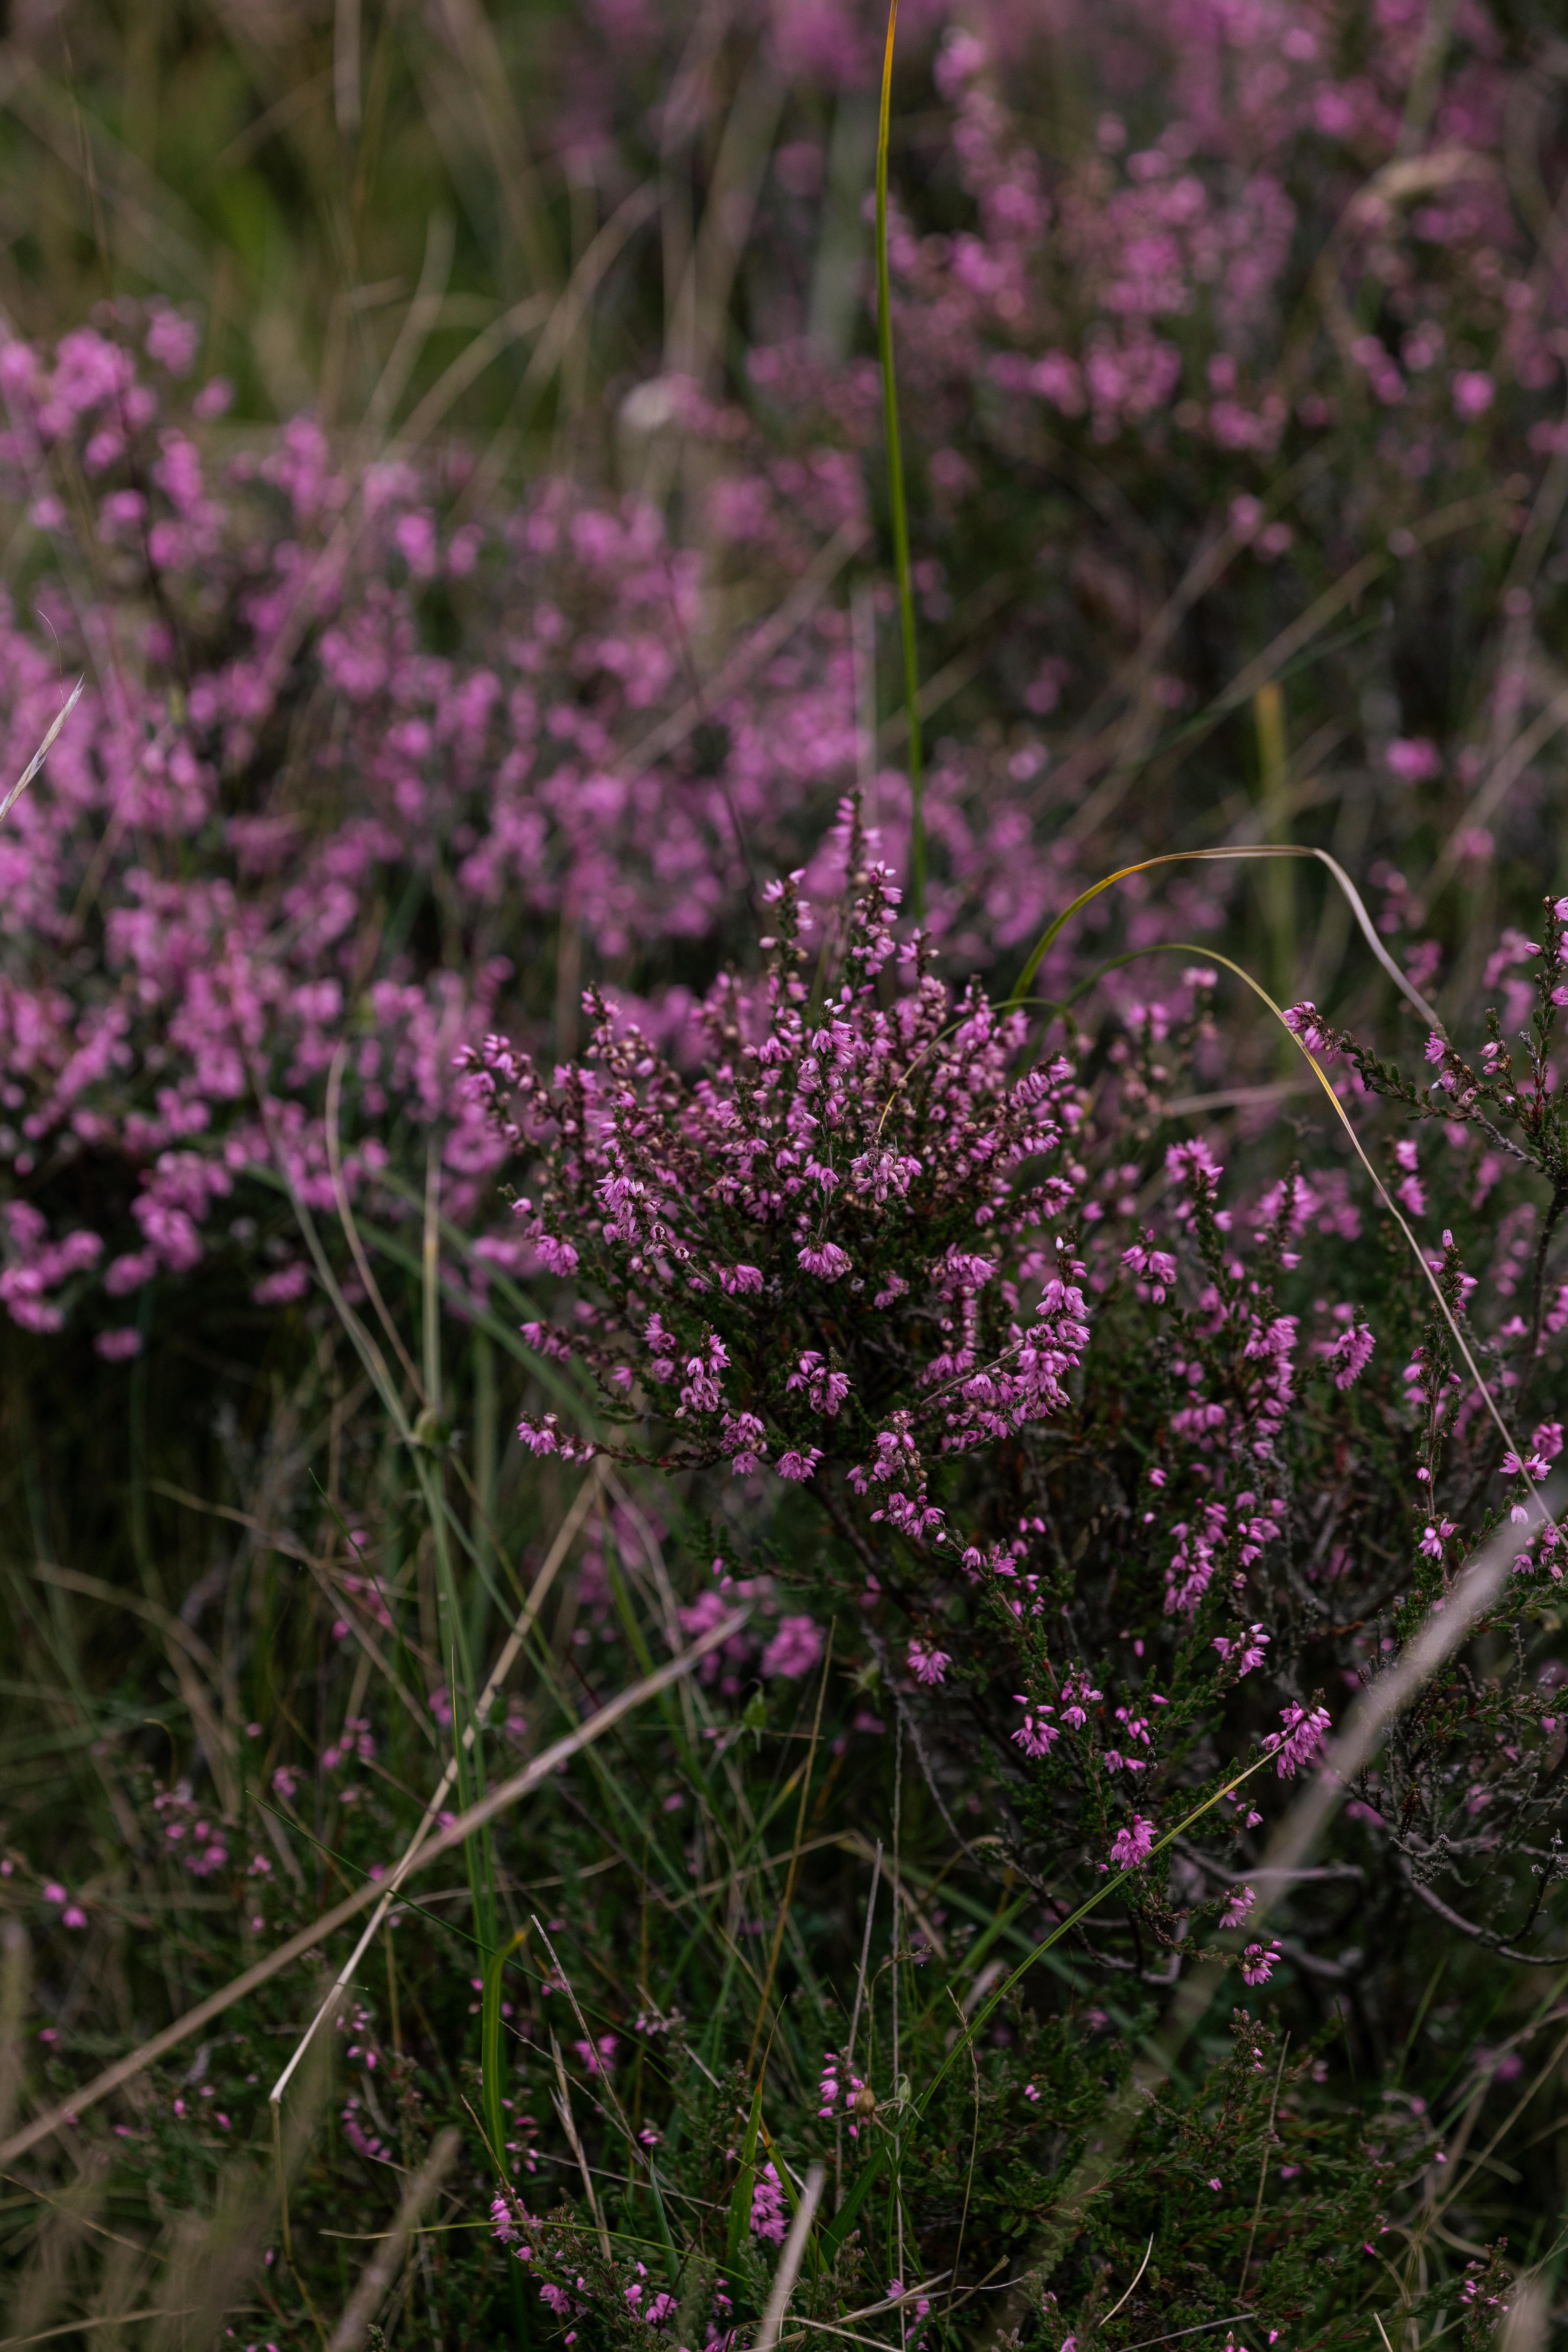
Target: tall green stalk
{"points": [[896, 493]]}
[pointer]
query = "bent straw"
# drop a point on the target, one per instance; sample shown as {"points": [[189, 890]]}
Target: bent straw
{"points": [[550, 1760], [1405, 986], [42, 753], [1348, 1753], [1472, 1594], [499, 1673], [1185, 947], [378, 2274], [790, 2261]]}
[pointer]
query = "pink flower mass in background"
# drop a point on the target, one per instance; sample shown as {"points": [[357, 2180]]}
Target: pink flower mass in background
{"points": [[374, 750]]}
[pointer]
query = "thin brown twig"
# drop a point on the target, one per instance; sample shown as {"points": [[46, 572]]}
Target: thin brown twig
{"points": [[378, 2274], [507, 1793]]}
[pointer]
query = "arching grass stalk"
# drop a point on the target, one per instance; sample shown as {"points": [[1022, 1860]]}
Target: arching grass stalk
{"points": [[896, 493], [1405, 985]]}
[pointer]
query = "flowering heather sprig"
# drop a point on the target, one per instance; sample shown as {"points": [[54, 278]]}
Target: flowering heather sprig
{"points": [[768, 2218], [816, 1255], [1301, 1740], [1134, 1843], [1350, 1353], [1034, 1735], [927, 1662]]}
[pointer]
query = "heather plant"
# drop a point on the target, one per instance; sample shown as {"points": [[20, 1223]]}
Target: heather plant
{"points": [[846, 1260], [1079, 1518]]}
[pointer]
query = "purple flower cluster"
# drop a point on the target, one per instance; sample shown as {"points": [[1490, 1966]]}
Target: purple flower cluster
{"points": [[840, 1183]]}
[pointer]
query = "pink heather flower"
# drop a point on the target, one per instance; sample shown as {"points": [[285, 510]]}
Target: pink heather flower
{"points": [[798, 1465], [824, 1258], [794, 1650], [1532, 1466], [768, 2206], [1413, 758], [1156, 1268], [1474, 392], [1301, 1740], [173, 340], [1435, 1537], [1238, 1910], [825, 1390], [282, 1288], [1246, 1649], [118, 1347], [1257, 1962], [546, 1437], [1305, 1022], [598, 2058], [928, 1665], [73, 1916], [1350, 1354], [1132, 1845], [744, 1439], [1034, 1735], [741, 1278]]}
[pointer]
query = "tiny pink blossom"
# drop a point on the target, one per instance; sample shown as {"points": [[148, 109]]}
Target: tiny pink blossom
{"points": [[1034, 1735], [1301, 1740], [1413, 758], [1305, 1022], [1132, 1845], [1474, 392], [794, 1648], [119, 1345]]}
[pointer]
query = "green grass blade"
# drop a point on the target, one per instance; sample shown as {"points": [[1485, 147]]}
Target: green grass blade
{"points": [[844, 2220], [896, 493], [740, 2199]]}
